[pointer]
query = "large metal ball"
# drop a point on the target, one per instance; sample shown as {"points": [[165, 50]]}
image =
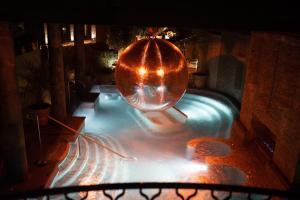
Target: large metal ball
{"points": [[151, 74]]}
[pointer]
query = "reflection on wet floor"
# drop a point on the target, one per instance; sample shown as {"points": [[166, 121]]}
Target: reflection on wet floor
{"points": [[187, 149], [222, 174], [212, 148]]}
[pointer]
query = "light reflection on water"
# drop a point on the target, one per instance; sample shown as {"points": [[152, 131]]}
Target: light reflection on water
{"points": [[158, 141], [114, 117]]}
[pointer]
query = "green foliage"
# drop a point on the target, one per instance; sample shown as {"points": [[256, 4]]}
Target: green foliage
{"points": [[32, 77], [106, 60], [121, 36]]}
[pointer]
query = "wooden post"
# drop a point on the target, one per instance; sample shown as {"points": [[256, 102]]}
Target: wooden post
{"points": [[12, 138], [58, 93], [80, 52]]}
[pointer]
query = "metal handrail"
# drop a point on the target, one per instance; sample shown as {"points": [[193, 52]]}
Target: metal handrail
{"points": [[178, 110], [103, 146], [154, 185]]}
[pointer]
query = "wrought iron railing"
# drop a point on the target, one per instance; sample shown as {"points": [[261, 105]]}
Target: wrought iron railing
{"points": [[214, 189]]}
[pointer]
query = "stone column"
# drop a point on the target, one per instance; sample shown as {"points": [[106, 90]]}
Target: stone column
{"points": [[58, 93], [79, 52], [45, 59], [12, 148], [101, 34]]}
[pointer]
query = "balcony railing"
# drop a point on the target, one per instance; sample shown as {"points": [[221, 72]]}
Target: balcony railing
{"points": [[214, 190]]}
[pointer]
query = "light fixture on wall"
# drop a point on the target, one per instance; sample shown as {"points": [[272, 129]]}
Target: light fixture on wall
{"points": [[93, 32], [45, 33], [72, 32]]}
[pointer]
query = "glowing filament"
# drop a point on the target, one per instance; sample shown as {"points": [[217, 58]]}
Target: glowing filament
{"points": [[160, 72], [142, 71]]}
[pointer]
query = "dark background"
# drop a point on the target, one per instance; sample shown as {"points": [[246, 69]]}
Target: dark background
{"points": [[211, 14]]}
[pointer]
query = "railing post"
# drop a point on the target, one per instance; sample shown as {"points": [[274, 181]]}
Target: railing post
{"points": [[79, 149], [40, 161], [39, 131]]}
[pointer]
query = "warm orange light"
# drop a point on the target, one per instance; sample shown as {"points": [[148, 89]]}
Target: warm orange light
{"points": [[151, 74], [160, 72], [142, 71], [93, 32]]}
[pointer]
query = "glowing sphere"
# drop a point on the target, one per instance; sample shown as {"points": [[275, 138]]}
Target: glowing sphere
{"points": [[151, 74]]}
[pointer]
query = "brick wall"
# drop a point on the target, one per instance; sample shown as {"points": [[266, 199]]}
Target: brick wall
{"points": [[271, 95]]}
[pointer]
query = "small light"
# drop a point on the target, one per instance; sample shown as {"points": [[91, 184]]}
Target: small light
{"points": [[197, 167], [139, 90], [142, 71], [93, 32], [160, 88], [160, 72], [45, 33], [72, 32]]}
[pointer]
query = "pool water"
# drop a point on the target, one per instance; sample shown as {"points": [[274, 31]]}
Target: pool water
{"points": [[153, 145]]}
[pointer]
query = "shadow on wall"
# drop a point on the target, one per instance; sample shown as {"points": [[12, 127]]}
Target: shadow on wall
{"points": [[226, 75], [227, 71]]}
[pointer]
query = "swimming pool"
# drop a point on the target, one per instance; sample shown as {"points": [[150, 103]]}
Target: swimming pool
{"points": [[156, 140]]}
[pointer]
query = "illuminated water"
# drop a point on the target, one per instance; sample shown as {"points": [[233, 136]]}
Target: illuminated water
{"points": [[156, 139]]}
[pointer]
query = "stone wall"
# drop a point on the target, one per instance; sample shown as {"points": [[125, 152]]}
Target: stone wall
{"points": [[212, 60], [272, 96], [223, 56], [232, 64]]}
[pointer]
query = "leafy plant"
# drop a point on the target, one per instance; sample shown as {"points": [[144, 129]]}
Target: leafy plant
{"points": [[106, 61], [121, 36]]}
